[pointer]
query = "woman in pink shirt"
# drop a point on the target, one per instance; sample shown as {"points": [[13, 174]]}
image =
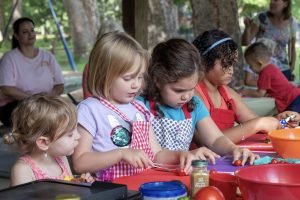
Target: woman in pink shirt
{"points": [[26, 70]]}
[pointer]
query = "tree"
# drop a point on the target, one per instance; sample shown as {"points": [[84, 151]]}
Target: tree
{"points": [[155, 21], [219, 14], [84, 22]]}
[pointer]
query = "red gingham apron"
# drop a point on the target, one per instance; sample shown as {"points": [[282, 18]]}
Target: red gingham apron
{"points": [[224, 118], [139, 140]]}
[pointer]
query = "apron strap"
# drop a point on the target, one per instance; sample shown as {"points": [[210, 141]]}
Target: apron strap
{"points": [[185, 109]]}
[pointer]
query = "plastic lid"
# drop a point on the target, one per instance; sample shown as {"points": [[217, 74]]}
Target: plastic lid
{"points": [[199, 163], [162, 189]]}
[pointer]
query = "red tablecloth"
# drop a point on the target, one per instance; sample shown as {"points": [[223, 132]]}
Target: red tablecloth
{"points": [[257, 143], [150, 175]]}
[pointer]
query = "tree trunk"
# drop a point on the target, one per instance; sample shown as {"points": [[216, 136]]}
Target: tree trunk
{"points": [[128, 19], [80, 31], [18, 11], [219, 14], [93, 18], [155, 21]]}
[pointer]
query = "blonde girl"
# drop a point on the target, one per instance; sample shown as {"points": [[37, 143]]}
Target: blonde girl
{"points": [[44, 129]]}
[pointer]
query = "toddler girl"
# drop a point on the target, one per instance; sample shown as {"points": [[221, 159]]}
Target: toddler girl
{"points": [[44, 128]]}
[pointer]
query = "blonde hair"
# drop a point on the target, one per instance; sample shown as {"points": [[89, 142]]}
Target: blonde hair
{"points": [[113, 54], [270, 44], [40, 115]]}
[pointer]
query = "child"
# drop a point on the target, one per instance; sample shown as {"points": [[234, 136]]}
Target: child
{"points": [[44, 128], [250, 76], [219, 54], [173, 74], [116, 136], [271, 81]]}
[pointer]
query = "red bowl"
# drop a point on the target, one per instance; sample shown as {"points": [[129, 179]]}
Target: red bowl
{"points": [[286, 142], [272, 181]]}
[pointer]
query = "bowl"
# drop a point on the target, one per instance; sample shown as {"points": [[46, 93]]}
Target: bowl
{"points": [[271, 181], [286, 142]]}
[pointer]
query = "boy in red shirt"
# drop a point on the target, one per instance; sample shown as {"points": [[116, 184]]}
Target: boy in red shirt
{"points": [[271, 82]]}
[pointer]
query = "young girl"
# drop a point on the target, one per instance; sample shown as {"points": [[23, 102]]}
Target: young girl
{"points": [[173, 74], [219, 54], [116, 136], [271, 81], [44, 128]]}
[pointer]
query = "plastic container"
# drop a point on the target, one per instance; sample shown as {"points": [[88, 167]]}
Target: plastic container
{"points": [[160, 190], [286, 142], [270, 181]]}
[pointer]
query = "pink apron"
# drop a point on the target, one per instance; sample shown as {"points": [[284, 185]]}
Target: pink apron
{"points": [[139, 140]]}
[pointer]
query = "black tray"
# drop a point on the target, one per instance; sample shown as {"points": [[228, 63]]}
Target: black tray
{"points": [[49, 189]]}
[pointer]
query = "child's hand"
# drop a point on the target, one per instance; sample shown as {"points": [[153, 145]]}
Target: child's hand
{"points": [[293, 122], [87, 177], [186, 158], [204, 153], [136, 158], [244, 154]]}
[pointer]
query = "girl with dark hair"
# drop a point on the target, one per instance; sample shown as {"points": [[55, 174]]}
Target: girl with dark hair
{"points": [[173, 74], [219, 54], [278, 25], [26, 70]]}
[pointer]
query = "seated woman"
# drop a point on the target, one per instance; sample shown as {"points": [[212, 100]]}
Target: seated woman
{"points": [[219, 54], [26, 70]]}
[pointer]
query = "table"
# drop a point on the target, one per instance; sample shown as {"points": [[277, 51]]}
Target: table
{"points": [[257, 142], [49, 189], [262, 106]]}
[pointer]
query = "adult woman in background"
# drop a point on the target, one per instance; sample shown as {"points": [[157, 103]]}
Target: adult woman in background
{"points": [[276, 24], [26, 70]]}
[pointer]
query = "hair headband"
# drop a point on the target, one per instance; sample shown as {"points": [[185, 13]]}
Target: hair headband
{"points": [[216, 44]]}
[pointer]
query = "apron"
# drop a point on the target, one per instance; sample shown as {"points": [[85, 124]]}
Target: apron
{"points": [[172, 134], [139, 140], [224, 118]]}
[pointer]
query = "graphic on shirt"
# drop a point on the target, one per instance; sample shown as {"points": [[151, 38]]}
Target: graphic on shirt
{"points": [[119, 135], [139, 117]]}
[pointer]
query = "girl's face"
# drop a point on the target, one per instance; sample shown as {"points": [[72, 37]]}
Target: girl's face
{"points": [[218, 75], [26, 35], [178, 93], [126, 87], [65, 145], [277, 6]]}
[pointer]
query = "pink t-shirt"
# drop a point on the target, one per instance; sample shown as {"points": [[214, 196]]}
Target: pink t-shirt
{"points": [[277, 86], [31, 75]]}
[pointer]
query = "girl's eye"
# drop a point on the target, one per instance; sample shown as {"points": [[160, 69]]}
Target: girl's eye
{"points": [[127, 78]]}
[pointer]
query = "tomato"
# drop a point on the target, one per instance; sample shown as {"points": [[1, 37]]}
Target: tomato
{"points": [[237, 163], [213, 171], [181, 172], [209, 193], [274, 161]]}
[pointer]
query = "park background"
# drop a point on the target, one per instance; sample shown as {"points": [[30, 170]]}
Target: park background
{"points": [[149, 21]]}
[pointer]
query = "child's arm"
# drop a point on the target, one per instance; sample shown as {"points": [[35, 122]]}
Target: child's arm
{"points": [[85, 160], [210, 135], [253, 93], [21, 173], [250, 79], [165, 156]]}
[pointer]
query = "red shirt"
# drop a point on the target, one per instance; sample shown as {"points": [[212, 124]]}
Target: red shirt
{"points": [[277, 86]]}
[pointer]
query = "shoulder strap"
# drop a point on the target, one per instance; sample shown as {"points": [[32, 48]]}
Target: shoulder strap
{"points": [[185, 109]]}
